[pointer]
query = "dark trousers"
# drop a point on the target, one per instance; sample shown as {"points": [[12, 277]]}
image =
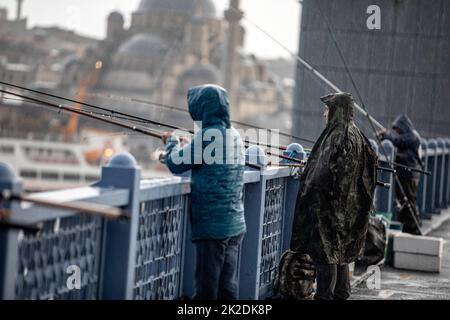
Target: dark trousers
{"points": [[333, 282], [405, 215], [216, 268]]}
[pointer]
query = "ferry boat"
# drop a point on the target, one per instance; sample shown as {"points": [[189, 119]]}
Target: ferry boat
{"points": [[46, 165], [49, 165]]}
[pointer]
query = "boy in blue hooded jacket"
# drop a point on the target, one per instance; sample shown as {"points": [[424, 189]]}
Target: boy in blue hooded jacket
{"points": [[216, 157]]}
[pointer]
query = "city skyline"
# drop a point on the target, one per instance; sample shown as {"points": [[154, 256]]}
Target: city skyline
{"points": [[89, 18]]}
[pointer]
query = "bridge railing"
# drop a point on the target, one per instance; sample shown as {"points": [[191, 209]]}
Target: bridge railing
{"points": [[36, 265], [148, 253]]}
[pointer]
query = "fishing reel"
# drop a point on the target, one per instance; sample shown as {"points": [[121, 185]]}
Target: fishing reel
{"points": [[159, 155], [294, 150]]}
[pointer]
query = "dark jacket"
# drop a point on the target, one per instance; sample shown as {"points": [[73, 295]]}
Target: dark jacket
{"points": [[336, 195], [217, 210], [407, 144]]}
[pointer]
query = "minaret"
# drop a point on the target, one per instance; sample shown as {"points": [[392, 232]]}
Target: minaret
{"points": [[19, 10], [114, 26], [233, 16]]}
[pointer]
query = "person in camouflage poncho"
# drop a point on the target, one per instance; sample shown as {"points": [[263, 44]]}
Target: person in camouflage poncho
{"points": [[335, 198]]}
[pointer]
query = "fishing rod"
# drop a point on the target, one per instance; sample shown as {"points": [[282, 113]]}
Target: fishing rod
{"points": [[297, 162], [88, 114], [98, 113], [307, 66], [371, 121], [108, 119], [111, 111], [314, 71], [179, 109], [284, 147], [411, 169], [362, 109], [126, 116]]}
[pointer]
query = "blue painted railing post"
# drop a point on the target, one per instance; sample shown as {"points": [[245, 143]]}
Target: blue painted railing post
{"points": [[422, 189], [385, 197], [431, 181], [9, 238], [120, 241], [445, 163], [440, 174], [251, 246], [189, 261], [374, 145], [292, 188], [447, 170]]}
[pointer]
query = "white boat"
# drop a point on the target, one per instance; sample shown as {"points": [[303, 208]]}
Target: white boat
{"points": [[48, 165], [45, 165]]}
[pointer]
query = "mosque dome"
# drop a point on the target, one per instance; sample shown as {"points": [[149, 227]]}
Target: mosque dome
{"points": [[135, 63], [199, 74], [206, 72], [142, 45], [206, 7]]}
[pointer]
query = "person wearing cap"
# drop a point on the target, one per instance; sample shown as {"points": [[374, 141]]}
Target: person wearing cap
{"points": [[407, 143], [335, 199], [217, 211]]}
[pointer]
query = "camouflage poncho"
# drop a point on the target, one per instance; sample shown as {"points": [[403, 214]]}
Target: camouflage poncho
{"points": [[336, 196]]}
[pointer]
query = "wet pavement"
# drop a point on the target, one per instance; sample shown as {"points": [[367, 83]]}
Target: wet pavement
{"points": [[404, 285]]}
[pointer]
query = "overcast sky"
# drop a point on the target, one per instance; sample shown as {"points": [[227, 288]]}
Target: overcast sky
{"points": [[279, 17]]}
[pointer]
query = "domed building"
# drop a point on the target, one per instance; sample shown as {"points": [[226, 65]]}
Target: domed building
{"points": [[197, 75], [170, 46], [166, 39], [135, 64], [169, 16]]}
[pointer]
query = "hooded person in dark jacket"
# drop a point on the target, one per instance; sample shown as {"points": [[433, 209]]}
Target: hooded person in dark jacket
{"points": [[407, 143], [216, 157], [335, 198]]}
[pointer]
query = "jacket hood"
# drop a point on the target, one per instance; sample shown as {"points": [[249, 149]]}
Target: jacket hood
{"points": [[403, 123], [340, 108], [209, 104]]}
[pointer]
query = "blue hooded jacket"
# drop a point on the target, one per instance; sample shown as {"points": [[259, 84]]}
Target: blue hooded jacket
{"points": [[407, 143], [217, 210]]}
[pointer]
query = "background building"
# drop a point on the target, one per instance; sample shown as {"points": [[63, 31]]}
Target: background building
{"points": [[402, 68], [169, 46]]}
